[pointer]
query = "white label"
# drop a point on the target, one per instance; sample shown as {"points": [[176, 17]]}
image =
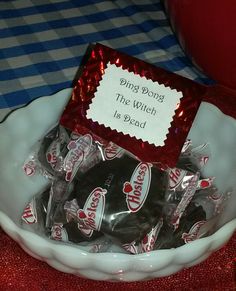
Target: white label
{"points": [[137, 188], [148, 242], [113, 151], [92, 213], [58, 232], [176, 176], [30, 214], [78, 151], [194, 232], [134, 105]]}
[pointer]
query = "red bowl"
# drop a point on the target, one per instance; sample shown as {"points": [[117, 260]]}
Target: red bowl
{"points": [[207, 31]]}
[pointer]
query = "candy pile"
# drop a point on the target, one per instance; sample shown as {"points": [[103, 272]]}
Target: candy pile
{"points": [[102, 194]]}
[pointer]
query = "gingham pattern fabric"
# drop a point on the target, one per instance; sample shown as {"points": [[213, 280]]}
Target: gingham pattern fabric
{"points": [[42, 42]]}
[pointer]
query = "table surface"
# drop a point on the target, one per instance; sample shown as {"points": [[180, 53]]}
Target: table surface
{"points": [[41, 46], [42, 42]]}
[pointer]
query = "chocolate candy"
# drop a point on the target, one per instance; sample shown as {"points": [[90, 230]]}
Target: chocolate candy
{"points": [[70, 232], [67, 224], [35, 212], [100, 189], [122, 198], [194, 217], [64, 154], [53, 150]]}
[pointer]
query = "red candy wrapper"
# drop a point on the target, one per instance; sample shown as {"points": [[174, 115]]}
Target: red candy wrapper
{"points": [[144, 109]]}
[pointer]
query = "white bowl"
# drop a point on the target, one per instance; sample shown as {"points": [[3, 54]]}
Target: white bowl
{"points": [[25, 126]]}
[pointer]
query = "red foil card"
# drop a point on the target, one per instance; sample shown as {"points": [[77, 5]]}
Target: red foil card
{"points": [[90, 89]]}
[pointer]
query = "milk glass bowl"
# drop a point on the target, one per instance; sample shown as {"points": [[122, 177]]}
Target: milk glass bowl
{"points": [[20, 131]]}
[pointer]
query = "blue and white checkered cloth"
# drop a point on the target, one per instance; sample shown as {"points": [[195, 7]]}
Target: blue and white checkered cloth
{"points": [[42, 42]]}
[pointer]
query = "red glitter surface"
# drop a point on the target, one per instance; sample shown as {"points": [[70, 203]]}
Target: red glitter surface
{"points": [[19, 271]]}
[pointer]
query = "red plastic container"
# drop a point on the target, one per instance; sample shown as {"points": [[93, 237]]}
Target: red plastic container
{"points": [[207, 31]]}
